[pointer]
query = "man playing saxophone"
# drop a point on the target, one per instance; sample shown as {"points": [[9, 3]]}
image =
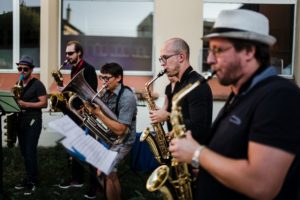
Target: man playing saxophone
{"points": [[121, 100], [74, 56], [32, 99], [254, 151], [197, 105], [163, 114]]}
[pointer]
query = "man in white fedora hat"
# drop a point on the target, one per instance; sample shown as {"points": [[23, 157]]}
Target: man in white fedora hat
{"points": [[255, 145]]}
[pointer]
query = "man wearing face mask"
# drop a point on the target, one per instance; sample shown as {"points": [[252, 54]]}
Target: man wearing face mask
{"points": [[74, 56], [31, 100]]}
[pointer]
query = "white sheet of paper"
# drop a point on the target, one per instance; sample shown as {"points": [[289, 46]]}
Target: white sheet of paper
{"points": [[77, 141]]}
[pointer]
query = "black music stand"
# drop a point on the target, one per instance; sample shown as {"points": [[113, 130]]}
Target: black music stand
{"points": [[8, 104]]}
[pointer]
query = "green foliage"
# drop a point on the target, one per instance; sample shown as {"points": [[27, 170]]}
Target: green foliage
{"points": [[53, 167]]}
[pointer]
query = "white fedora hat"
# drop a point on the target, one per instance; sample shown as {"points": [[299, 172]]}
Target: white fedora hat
{"points": [[242, 24]]}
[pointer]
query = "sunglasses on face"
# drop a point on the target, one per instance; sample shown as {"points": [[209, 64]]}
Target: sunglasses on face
{"points": [[25, 69], [70, 53]]}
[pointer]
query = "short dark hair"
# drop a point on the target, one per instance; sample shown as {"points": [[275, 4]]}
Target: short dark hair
{"points": [[78, 46], [262, 53], [114, 69]]}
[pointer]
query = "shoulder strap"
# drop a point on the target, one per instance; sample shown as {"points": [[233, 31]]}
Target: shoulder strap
{"points": [[119, 96]]}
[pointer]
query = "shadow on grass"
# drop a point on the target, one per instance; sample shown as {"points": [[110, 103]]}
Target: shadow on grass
{"points": [[53, 167]]}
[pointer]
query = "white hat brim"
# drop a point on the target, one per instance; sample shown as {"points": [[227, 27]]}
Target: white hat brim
{"points": [[265, 39]]}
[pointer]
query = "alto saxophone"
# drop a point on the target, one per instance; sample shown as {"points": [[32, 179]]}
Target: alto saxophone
{"points": [[178, 176], [157, 140], [12, 119], [58, 77], [18, 88], [58, 101]]}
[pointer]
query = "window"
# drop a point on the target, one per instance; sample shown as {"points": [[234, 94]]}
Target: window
{"points": [[19, 31], [6, 32], [110, 31], [282, 23], [30, 30]]}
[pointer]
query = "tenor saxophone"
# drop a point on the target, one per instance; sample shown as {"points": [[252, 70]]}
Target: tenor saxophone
{"points": [[178, 176], [157, 140]]}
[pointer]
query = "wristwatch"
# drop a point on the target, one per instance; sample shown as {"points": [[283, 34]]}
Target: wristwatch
{"points": [[195, 159]]}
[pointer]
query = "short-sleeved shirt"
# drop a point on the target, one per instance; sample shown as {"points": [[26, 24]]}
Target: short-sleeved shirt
{"points": [[31, 93], [267, 111], [127, 109]]}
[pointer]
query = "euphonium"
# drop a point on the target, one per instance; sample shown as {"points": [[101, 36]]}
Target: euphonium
{"points": [[178, 176], [83, 91], [157, 140]]}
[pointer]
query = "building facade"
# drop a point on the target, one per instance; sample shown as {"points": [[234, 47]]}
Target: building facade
{"points": [[169, 18]]}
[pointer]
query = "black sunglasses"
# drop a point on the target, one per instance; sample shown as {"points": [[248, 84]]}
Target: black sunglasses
{"points": [[25, 69], [70, 53]]}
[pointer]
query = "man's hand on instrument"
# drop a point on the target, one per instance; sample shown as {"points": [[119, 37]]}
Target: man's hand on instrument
{"points": [[182, 149], [93, 109], [159, 115]]}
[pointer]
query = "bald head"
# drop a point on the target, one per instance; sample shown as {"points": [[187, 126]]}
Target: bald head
{"points": [[178, 45]]}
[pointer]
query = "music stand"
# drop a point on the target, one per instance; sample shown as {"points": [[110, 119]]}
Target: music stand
{"points": [[8, 104]]}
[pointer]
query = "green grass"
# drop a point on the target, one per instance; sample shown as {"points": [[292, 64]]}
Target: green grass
{"points": [[53, 167]]}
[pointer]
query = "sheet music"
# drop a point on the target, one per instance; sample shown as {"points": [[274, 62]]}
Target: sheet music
{"points": [[83, 146]]}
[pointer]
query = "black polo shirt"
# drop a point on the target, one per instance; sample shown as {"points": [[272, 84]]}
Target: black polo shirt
{"points": [[265, 112]]}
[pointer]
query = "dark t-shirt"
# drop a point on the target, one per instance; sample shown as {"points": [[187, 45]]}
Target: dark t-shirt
{"points": [[267, 112], [196, 106], [31, 93]]}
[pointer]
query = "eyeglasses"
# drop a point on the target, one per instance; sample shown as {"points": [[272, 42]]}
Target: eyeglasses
{"points": [[163, 59], [105, 78], [218, 51], [70, 53], [25, 69]]}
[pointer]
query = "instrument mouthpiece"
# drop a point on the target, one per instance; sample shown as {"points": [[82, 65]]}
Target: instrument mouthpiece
{"points": [[162, 72], [21, 77]]}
